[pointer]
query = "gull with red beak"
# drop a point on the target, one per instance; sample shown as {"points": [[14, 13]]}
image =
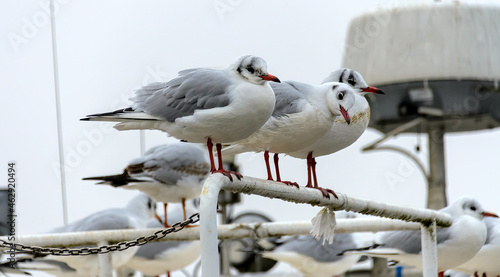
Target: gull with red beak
{"points": [[344, 132], [456, 244], [203, 105], [303, 113]]}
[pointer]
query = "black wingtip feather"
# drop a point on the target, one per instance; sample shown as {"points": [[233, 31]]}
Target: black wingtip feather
{"points": [[114, 180]]}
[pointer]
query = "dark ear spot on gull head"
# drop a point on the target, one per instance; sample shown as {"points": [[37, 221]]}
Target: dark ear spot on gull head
{"points": [[254, 70], [472, 207]]}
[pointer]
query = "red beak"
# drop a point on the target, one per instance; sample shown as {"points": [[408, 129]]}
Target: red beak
{"points": [[345, 115], [270, 77], [485, 214], [372, 90]]}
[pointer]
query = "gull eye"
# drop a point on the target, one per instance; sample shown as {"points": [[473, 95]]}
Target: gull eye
{"points": [[340, 95], [351, 81], [473, 208], [251, 70]]}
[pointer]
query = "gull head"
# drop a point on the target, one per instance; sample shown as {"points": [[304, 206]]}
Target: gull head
{"points": [[253, 69], [353, 78], [468, 206]]}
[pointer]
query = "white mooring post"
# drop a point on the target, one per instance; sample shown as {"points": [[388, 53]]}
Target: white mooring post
{"points": [[208, 217]]}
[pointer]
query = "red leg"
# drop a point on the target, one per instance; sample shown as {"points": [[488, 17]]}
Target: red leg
{"points": [[441, 274], [311, 167], [221, 170], [268, 167], [211, 154], [165, 215], [184, 207], [309, 183], [278, 177], [276, 167]]}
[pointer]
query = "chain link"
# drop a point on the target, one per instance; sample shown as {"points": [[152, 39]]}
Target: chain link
{"points": [[17, 247]]}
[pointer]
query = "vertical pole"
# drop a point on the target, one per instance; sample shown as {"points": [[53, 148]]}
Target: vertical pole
{"points": [[436, 194], [380, 268], [105, 267], [57, 90], [429, 250], [225, 251], [208, 225]]}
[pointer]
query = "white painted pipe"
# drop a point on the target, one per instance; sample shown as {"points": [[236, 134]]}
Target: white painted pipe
{"points": [[429, 250], [228, 231], [208, 224]]}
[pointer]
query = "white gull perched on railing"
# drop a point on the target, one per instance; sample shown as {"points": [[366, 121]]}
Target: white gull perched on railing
{"points": [[203, 105], [455, 244], [303, 113], [343, 133]]}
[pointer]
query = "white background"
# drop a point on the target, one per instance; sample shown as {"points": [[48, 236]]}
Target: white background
{"points": [[108, 48]]}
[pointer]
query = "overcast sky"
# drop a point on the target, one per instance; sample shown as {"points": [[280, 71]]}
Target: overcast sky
{"points": [[107, 48]]}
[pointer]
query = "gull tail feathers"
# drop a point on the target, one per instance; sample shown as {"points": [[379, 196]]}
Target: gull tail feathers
{"points": [[114, 180], [120, 115]]}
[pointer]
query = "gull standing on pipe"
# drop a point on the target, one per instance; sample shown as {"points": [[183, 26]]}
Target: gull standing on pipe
{"points": [[302, 114], [169, 173], [343, 133], [203, 105], [455, 244]]}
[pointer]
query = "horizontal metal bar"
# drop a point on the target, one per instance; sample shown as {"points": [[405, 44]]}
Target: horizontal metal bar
{"points": [[314, 197], [228, 231]]}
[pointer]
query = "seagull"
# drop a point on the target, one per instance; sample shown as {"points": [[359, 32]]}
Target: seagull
{"points": [[302, 114], [156, 258], [203, 105], [134, 216], [455, 244], [168, 173], [344, 132], [313, 259], [486, 260]]}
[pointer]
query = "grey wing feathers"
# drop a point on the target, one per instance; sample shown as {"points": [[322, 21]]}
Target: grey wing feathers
{"points": [[153, 249], [309, 246], [409, 241], [193, 89], [168, 163], [105, 220], [288, 97]]}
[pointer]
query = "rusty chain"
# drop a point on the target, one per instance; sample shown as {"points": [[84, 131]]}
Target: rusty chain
{"points": [[36, 250]]}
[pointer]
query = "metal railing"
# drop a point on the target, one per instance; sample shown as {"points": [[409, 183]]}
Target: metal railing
{"points": [[427, 219], [210, 233]]}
